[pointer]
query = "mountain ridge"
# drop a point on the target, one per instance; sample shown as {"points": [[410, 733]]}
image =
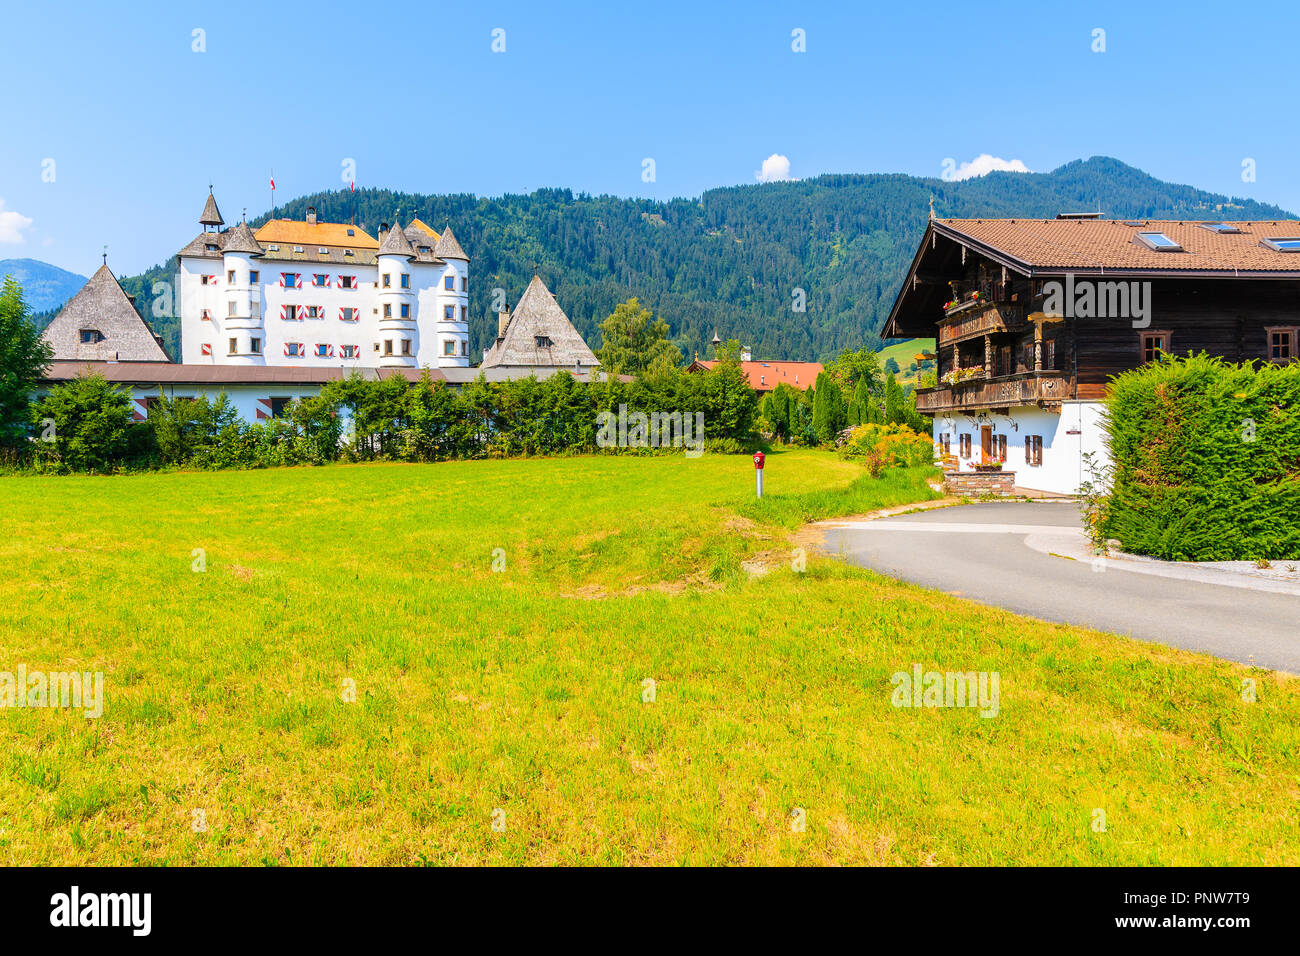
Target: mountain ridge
{"points": [[734, 259]]}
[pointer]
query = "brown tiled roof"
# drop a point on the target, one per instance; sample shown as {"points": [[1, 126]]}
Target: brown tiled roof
{"points": [[103, 307], [1047, 246], [166, 373]]}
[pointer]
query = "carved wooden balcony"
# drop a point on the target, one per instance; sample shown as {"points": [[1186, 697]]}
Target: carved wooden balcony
{"points": [[984, 318], [1024, 388]]}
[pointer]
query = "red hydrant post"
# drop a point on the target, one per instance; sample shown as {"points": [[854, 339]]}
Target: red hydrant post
{"points": [[759, 458]]}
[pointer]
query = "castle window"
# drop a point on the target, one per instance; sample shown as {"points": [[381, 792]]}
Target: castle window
{"points": [[322, 350], [255, 346], [406, 311], [210, 247], [449, 283], [293, 349], [234, 346], [348, 315], [449, 347], [406, 346], [464, 284], [252, 276], [230, 276], [289, 312], [91, 336], [1281, 343], [347, 282], [323, 251], [352, 232], [349, 351], [290, 280], [543, 341], [297, 249], [388, 311], [347, 252], [464, 346], [449, 312], [203, 280], [464, 313], [230, 308], [388, 281], [320, 280], [314, 312], [406, 281]]}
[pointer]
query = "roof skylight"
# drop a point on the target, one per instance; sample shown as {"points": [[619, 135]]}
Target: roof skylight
{"points": [[1222, 228], [1159, 242], [1283, 244]]}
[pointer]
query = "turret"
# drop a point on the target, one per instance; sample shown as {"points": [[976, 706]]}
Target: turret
{"points": [[453, 302], [398, 331], [241, 319]]}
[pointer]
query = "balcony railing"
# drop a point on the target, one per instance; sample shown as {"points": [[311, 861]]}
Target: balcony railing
{"points": [[1023, 388], [985, 318]]}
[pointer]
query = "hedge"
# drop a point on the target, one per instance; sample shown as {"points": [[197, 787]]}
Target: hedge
{"points": [[1205, 460]]}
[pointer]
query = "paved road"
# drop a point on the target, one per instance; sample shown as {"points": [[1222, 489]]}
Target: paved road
{"points": [[979, 552]]}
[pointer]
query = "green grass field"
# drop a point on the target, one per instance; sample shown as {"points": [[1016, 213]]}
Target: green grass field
{"points": [[521, 690], [904, 353]]}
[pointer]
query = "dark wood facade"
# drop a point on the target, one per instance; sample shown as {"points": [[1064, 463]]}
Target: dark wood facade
{"points": [[988, 321]]}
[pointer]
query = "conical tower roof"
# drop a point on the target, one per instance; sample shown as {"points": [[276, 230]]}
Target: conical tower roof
{"points": [[448, 248], [241, 239], [211, 214], [396, 243]]}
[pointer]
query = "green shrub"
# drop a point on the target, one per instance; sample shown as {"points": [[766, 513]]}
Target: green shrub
{"points": [[888, 446], [1205, 460]]}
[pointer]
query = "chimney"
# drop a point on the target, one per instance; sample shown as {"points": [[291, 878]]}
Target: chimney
{"points": [[503, 320], [383, 227], [311, 215], [745, 354]]}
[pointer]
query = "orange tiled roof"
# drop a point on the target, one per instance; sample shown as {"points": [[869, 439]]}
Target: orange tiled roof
{"points": [[765, 376], [1088, 244], [424, 228], [294, 232]]}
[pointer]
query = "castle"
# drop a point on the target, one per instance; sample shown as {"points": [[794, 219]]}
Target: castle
{"points": [[323, 294]]}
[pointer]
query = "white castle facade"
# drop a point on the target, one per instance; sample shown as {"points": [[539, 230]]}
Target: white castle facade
{"points": [[318, 294]]}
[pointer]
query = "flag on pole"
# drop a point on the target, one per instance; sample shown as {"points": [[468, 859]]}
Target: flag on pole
{"points": [[273, 182]]}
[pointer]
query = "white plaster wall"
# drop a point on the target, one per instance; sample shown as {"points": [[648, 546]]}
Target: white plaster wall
{"points": [[1066, 435]]}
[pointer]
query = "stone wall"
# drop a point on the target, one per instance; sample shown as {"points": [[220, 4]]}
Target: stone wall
{"points": [[980, 484]]}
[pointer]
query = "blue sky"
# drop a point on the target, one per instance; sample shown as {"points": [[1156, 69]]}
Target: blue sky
{"points": [[137, 123]]}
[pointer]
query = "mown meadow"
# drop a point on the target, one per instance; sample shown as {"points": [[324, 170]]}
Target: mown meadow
{"points": [[501, 621]]}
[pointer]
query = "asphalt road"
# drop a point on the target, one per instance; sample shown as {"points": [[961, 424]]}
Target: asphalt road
{"points": [[978, 552]]}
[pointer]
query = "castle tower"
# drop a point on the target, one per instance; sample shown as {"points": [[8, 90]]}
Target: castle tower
{"points": [[453, 303], [241, 323], [398, 331]]}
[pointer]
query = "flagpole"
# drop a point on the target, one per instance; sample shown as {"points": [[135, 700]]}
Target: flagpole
{"points": [[273, 194]]}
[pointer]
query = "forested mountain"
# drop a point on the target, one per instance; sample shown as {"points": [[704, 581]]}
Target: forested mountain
{"points": [[44, 286], [731, 260]]}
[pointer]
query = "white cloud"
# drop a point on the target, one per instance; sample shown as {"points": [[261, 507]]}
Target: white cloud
{"points": [[983, 164], [12, 225], [776, 169]]}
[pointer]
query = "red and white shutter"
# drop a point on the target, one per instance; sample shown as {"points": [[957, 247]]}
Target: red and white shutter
{"points": [[263, 409], [141, 410], [205, 349]]}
